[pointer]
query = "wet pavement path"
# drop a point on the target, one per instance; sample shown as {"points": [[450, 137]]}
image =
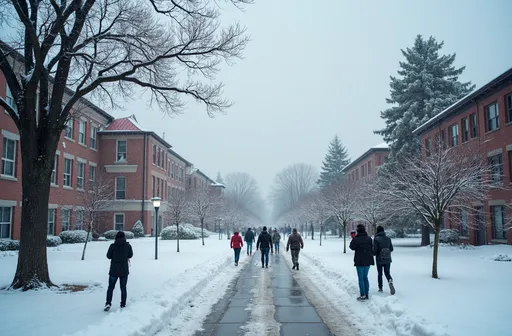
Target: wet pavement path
{"points": [[264, 302]]}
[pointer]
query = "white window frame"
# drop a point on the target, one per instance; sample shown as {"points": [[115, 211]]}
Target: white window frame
{"points": [[51, 219], [81, 132], [54, 170], [496, 117], [67, 210], [92, 176], [4, 223], [119, 190], [123, 158], [9, 99], [502, 229], [69, 175], [79, 219], [454, 135], [94, 130], [115, 222], [5, 159], [69, 129], [80, 175]]}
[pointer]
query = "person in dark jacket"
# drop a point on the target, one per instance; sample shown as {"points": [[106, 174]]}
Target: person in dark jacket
{"points": [[249, 239], [276, 238], [382, 248], [119, 254], [295, 243], [265, 244], [363, 259], [236, 245]]}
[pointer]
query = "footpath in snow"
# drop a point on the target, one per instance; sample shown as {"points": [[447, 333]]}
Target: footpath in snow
{"points": [[173, 293], [470, 298]]}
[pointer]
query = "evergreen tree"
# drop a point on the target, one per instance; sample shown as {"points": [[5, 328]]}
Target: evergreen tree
{"points": [[428, 84], [335, 160]]}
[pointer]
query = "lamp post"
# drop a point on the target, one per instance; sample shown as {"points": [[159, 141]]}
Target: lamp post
{"points": [[156, 205]]}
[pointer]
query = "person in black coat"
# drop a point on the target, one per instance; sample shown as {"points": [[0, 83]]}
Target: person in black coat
{"points": [[119, 254], [265, 244], [382, 248], [363, 259], [249, 239]]}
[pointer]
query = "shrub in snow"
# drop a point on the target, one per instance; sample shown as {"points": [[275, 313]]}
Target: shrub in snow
{"points": [[9, 245], [502, 257], [390, 233], [74, 236], [111, 234], [52, 241], [197, 230], [170, 233], [449, 236], [138, 229]]}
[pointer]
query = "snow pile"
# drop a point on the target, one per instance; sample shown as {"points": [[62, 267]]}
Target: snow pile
{"points": [[52, 241], [197, 230], [390, 233], [138, 229], [501, 257], [73, 237], [111, 234], [170, 233], [449, 236], [9, 245]]}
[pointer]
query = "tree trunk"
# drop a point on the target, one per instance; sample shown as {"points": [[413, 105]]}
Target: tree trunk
{"points": [[425, 235], [436, 251], [320, 235], [312, 231], [177, 237], [87, 239], [340, 233], [32, 269], [202, 230], [344, 238]]}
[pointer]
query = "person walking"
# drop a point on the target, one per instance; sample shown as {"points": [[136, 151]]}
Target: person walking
{"points": [[119, 254], [249, 239], [265, 244], [276, 238], [382, 248], [295, 243], [362, 244], [236, 245]]}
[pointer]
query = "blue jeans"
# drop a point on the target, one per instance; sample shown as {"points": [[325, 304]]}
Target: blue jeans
{"points": [[249, 247], [237, 254], [264, 255], [112, 284], [276, 246], [362, 275]]}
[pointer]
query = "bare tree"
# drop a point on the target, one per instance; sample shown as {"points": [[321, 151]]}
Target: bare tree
{"points": [[98, 196], [316, 209], [243, 192], [371, 205], [202, 205], [177, 210], [431, 185], [66, 50], [341, 200]]}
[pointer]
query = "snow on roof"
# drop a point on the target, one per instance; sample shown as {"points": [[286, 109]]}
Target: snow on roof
{"points": [[382, 145], [125, 124], [379, 147], [217, 184]]}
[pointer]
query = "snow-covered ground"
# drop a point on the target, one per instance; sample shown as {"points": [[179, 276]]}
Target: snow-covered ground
{"points": [[173, 293], [470, 298]]}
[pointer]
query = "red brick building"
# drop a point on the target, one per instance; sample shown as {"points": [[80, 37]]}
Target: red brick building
{"points": [[366, 165], [139, 163], [482, 120]]}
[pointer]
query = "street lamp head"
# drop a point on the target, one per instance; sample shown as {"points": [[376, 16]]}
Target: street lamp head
{"points": [[156, 202]]}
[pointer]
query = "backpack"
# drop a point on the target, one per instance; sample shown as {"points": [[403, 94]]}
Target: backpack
{"points": [[385, 254]]}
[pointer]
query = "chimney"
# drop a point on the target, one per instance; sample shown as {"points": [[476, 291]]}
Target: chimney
{"points": [[163, 136]]}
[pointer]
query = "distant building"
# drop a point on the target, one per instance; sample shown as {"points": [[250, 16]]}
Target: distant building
{"points": [[366, 165]]}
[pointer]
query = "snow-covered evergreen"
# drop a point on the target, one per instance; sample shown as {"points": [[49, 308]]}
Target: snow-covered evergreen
{"points": [[335, 160], [74, 236], [427, 84], [138, 229]]}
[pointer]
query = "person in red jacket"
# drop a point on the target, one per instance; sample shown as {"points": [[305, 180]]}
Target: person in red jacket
{"points": [[237, 244]]}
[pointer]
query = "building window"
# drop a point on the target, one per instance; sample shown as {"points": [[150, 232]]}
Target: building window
{"points": [[80, 175], [68, 131], [94, 131], [120, 187], [54, 170], [119, 222], [153, 186], [157, 187], [9, 157], [363, 171], [509, 108], [68, 172], [66, 219], [496, 163], [464, 223], [79, 220], [158, 157], [5, 222], [168, 168], [81, 132], [173, 171], [370, 170], [92, 177], [454, 135], [492, 117], [465, 129], [428, 149], [443, 138], [474, 125], [510, 165], [51, 222], [9, 99], [121, 150], [181, 175], [498, 222], [154, 154]]}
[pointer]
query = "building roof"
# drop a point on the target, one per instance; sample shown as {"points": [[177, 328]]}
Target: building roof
{"points": [[383, 147], [504, 79], [179, 156], [129, 125]]}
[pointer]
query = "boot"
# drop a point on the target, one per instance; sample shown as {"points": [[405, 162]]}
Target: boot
{"points": [[391, 287], [107, 307], [297, 266], [294, 266]]}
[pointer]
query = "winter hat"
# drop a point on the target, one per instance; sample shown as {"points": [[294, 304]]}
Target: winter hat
{"points": [[380, 229], [361, 228], [119, 234], [264, 228], [236, 232], [294, 230]]}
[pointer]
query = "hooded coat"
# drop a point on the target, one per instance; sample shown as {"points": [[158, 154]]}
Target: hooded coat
{"points": [[264, 240], [236, 241], [119, 252]]}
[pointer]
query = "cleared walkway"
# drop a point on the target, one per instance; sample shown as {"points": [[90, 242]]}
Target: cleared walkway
{"points": [[264, 302]]}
